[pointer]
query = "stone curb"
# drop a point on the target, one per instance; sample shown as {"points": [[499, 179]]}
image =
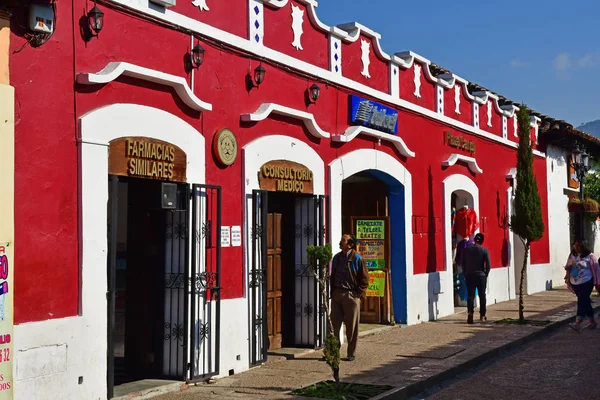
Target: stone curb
{"points": [[403, 393], [155, 391]]}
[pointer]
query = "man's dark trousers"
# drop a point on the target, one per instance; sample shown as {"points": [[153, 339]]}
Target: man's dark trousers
{"points": [[476, 282]]}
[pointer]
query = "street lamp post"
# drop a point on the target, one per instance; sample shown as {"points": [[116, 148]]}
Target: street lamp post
{"points": [[580, 160]]}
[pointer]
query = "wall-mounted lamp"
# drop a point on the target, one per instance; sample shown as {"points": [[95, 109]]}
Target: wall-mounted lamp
{"points": [[194, 58], [312, 94], [315, 92], [259, 77], [95, 20], [197, 55]]}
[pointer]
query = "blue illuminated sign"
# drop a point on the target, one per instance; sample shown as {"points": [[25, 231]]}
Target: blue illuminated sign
{"points": [[373, 115]]}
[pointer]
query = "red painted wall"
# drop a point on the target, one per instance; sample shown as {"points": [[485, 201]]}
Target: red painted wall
{"points": [[407, 88], [280, 36], [352, 65], [46, 149], [219, 15]]}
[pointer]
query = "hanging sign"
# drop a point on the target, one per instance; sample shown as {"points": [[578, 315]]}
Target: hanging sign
{"points": [[373, 252], [459, 142], [572, 181], [373, 115], [285, 176], [376, 286], [370, 229], [141, 157], [6, 322]]}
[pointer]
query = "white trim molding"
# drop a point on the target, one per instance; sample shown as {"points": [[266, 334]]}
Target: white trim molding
{"points": [[470, 161], [115, 69], [402, 59], [270, 148], [354, 131], [267, 109], [368, 159], [97, 128]]}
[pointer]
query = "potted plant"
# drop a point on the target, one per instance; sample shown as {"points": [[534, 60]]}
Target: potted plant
{"points": [[590, 205], [321, 256], [574, 205]]}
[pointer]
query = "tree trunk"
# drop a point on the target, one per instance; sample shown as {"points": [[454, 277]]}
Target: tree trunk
{"points": [[323, 283], [523, 271]]}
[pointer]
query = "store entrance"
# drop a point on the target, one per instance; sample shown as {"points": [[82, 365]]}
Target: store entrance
{"points": [[374, 201], [284, 294], [463, 229], [148, 244], [280, 270]]}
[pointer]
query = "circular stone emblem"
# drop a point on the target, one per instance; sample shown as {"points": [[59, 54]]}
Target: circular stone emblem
{"points": [[226, 147]]}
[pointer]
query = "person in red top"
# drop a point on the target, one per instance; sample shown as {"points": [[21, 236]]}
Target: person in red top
{"points": [[466, 222]]}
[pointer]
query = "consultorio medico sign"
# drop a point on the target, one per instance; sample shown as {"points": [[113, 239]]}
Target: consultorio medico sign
{"points": [[286, 176]]}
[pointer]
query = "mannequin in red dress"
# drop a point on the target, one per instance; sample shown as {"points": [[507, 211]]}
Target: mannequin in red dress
{"points": [[466, 222]]}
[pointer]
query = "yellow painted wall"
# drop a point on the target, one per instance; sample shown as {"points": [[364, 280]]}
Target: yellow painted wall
{"points": [[7, 181], [7, 139], [4, 43]]}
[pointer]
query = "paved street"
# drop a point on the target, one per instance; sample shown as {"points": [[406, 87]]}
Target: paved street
{"points": [[564, 365], [427, 354]]}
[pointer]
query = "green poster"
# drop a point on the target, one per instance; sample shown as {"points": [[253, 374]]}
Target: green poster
{"points": [[376, 284], [370, 229], [373, 252]]}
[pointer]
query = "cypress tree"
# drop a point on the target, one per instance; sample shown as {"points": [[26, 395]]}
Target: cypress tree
{"points": [[527, 220]]}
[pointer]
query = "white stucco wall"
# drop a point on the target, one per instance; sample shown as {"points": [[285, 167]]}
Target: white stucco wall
{"points": [[542, 277], [52, 355]]}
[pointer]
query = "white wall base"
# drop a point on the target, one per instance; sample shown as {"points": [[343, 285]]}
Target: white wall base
{"points": [[50, 356], [234, 336], [541, 277]]}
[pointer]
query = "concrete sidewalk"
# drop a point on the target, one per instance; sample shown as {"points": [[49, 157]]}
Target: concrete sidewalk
{"points": [[408, 359]]}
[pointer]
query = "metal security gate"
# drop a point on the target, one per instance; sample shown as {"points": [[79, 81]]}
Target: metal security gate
{"points": [[204, 282], [311, 227], [174, 348], [257, 278]]}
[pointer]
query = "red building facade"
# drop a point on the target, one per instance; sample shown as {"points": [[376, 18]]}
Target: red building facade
{"points": [[74, 97]]}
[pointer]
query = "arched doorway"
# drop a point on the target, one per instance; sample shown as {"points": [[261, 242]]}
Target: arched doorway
{"points": [[148, 173], [460, 202], [373, 209], [460, 194]]}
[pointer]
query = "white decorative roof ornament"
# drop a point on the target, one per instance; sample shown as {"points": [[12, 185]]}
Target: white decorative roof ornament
{"points": [[366, 51], [201, 4], [297, 20], [354, 131], [267, 109], [115, 69], [417, 69], [489, 113], [470, 161], [457, 99]]}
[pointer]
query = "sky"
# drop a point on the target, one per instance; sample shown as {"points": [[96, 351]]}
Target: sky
{"points": [[542, 53]]}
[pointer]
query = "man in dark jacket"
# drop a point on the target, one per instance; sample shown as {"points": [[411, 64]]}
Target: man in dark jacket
{"points": [[476, 267], [349, 281]]}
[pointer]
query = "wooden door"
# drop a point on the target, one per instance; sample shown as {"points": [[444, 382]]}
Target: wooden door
{"points": [[274, 292]]}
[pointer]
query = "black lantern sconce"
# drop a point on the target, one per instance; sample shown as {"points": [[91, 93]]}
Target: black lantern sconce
{"points": [[259, 77], [95, 19], [312, 94], [197, 55], [315, 92], [194, 58]]}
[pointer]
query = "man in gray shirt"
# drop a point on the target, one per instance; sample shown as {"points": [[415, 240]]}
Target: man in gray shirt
{"points": [[476, 267]]}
